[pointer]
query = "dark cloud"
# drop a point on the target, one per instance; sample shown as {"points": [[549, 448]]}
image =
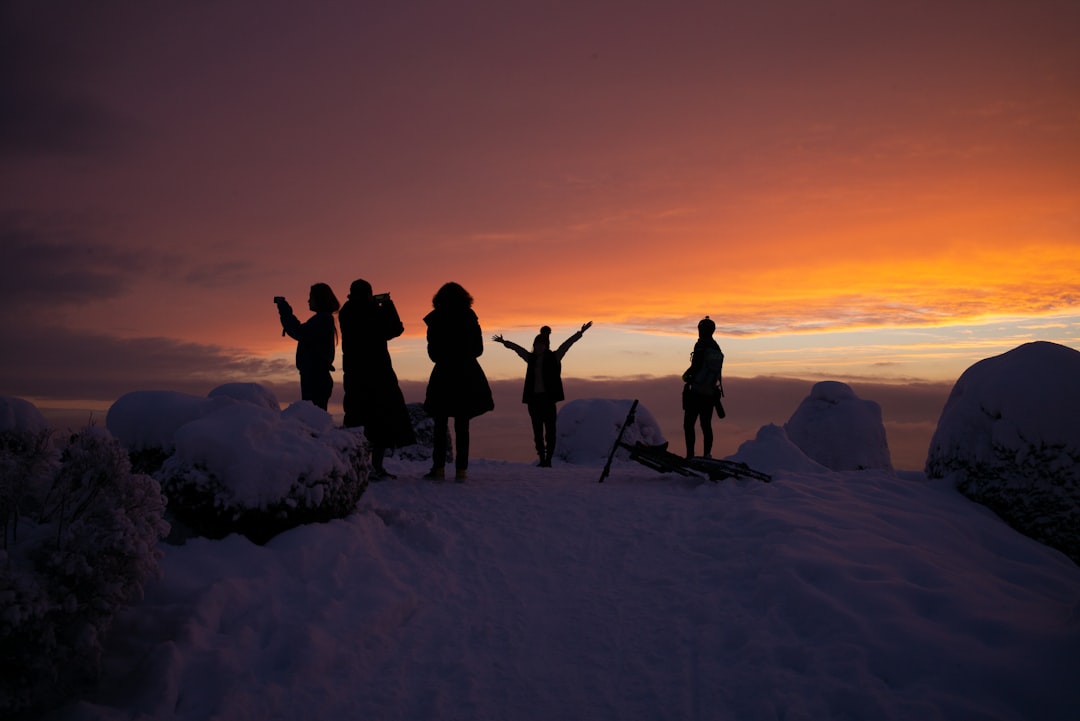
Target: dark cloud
{"points": [[60, 265], [61, 364]]}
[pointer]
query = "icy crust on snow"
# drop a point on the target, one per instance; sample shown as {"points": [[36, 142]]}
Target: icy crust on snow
{"points": [[233, 462], [587, 428], [1009, 437], [839, 430]]}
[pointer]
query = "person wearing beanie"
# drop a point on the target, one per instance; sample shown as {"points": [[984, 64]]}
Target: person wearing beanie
{"points": [[543, 385], [702, 388]]}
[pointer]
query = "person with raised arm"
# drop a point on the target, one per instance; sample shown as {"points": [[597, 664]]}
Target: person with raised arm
{"points": [[543, 385], [316, 342]]}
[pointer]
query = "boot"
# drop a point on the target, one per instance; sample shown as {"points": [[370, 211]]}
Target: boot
{"points": [[435, 474]]}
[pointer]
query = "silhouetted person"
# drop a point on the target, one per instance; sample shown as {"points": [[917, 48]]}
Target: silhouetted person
{"points": [[458, 387], [373, 398], [543, 385], [702, 387], [316, 343]]}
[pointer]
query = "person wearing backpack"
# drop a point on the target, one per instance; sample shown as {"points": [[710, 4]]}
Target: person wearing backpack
{"points": [[702, 388], [373, 398]]}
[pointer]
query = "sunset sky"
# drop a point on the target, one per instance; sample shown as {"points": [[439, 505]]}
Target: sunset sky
{"points": [[851, 189]]}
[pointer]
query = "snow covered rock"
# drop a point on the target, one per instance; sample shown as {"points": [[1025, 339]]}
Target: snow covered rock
{"points": [[1009, 437], [587, 428], [839, 430]]}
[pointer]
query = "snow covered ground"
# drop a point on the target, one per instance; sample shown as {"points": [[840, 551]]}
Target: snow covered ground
{"points": [[531, 593]]}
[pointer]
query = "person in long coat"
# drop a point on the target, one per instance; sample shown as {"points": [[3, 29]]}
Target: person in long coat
{"points": [[457, 387], [373, 398], [543, 385], [316, 342]]}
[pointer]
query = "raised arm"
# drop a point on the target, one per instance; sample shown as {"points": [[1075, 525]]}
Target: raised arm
{"points": [[561, 350], [525, 355], [290, 324]]}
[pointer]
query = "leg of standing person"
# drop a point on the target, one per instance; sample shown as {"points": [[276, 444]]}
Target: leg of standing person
{"points": [[537, 419], [307, 387], [349, 402], [327, 391], [705, 417], [461, 444], [438, 455], [689, 419], [317, 388], [378, 470], [550, 413]]}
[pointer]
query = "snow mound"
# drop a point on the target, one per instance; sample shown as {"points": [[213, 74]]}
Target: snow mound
{"points": [[772, 451], [1009, 439], [149, 419], [587, 428], [839, 430], [17, 414], [254, 393]]}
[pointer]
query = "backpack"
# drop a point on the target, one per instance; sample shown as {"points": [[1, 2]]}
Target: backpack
{"points": [[704, 379]]}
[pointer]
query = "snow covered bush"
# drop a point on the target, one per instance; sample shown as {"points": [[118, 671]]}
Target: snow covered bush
{"points": [[85, 543], [839, 430], [257, 472], [1009, 437], [234, 463]]}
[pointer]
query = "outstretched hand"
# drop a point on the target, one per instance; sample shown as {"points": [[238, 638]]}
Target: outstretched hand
{"points": [[497, 338], [586, 326]]}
